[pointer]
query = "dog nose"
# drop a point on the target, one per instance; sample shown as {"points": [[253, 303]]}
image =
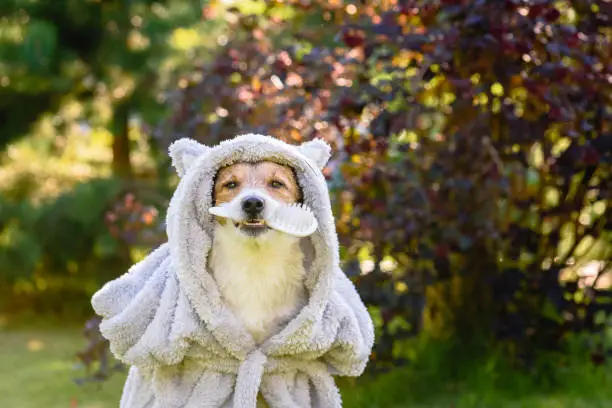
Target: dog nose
{"points": [[252, 205]]}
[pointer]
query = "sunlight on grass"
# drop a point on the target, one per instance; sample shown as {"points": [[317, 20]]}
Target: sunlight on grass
{"points": [[35, 345], [37, 369]]}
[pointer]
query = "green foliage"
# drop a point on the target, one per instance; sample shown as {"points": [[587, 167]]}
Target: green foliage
{"points": [[39, 45], [71, 228], [59, 248], [110, 58], [85, 79], [19, 250]]}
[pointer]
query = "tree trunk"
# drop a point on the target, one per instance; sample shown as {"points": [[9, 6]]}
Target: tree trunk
{"points": [[122, 166], [461, 306]]}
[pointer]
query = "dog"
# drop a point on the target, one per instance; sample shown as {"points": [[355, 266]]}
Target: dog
{"points": [[259, 271]]}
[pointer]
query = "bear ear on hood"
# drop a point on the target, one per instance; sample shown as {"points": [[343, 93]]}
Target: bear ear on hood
{"points": [[317, 150], [184, 152]]}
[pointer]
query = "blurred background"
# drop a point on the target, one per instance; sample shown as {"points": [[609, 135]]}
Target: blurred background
{"points": [[471, 179]]}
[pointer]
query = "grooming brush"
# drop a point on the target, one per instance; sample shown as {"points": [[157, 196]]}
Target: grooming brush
{"points": [[293, 219], [227, 211]]}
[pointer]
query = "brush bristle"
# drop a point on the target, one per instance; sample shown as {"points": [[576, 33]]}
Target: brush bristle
{"points": [[294, 219]]}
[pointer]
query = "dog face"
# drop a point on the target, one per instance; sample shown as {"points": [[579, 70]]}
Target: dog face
{"points": [[263, 181]]}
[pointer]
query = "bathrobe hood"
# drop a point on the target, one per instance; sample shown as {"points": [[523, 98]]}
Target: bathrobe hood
{"points": [[166, 317]]}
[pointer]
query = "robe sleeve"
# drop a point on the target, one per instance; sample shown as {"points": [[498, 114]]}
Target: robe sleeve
{"points": [[145, 316], [354, 339]]}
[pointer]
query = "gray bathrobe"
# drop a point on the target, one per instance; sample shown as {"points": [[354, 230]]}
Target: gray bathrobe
{"points": [[166, 319]]}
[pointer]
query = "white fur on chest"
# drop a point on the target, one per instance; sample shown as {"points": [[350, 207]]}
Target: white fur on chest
{"points": [[260, 279]]}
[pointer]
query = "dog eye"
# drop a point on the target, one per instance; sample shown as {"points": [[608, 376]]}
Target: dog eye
{"points": [[230, 185], [276, 184]]}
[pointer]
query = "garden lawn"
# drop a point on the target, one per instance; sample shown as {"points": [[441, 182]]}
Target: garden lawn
{"points": [[37, 369]]}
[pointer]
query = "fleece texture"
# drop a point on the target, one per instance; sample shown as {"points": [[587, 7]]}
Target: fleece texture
{"points": [[166, 319]]}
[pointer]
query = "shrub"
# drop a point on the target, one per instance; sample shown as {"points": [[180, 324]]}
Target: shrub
{"points": [[57, 253], [473, 151]]}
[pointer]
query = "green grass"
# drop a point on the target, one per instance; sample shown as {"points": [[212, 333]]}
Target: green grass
{"points": [[37, 369], [403, 389], [443, 375]]}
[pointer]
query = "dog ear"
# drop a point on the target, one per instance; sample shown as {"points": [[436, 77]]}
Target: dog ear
{"points": [[184, 152], [317, 150]]}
